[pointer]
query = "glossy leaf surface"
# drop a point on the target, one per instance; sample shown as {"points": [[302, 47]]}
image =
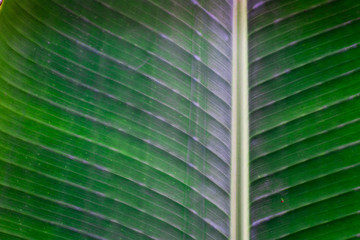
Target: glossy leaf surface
{"points": [[304, 116], [115, 119]]}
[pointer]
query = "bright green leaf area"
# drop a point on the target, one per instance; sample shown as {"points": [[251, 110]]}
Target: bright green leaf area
{"points": [[304, 119], [115, 119]]}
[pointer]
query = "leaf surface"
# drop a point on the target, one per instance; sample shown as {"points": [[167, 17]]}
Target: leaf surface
{"points": [[115, 119], [304, 119]]}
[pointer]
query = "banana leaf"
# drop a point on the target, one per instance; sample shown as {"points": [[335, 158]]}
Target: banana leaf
{"points": [[304, 119], [115, 119]]}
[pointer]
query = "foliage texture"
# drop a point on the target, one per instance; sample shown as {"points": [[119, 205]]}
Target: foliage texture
{"points": [[115, 119], [304, 116]]}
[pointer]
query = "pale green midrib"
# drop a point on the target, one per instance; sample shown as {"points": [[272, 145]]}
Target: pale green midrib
{"points": [[239, 218]]}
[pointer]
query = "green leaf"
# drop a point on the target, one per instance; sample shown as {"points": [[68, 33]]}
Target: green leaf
{"points": [[137, 119], [304, 119], [115, 119]]}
